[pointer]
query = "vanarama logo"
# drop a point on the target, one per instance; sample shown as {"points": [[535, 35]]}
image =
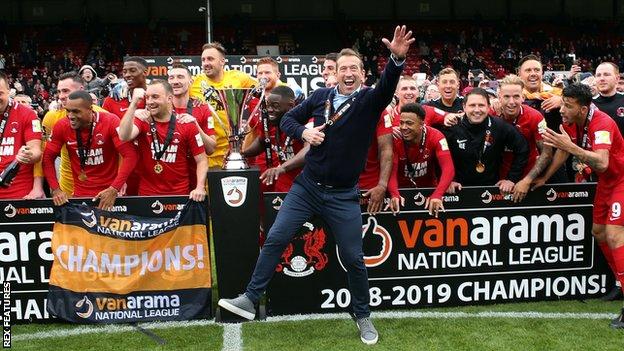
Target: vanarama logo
{"points": [[277, 203], [11, 211], [481, 231], [84, 308], [552, 195], [487, 197], [134, 307], [234, 190], [419, 199], [129, 229], [158, 207], [88, 218]]}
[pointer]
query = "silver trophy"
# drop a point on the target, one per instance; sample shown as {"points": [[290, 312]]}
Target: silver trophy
{"points": [[238, 110]]}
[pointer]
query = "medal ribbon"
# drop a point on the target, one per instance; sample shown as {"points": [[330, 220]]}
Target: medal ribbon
{"points": [[408, 164], [83, 149], [159, 149]]}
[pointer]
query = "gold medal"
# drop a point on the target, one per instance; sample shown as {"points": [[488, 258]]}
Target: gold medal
{"points": [[82, 176], [158, 168], [480, 168]]}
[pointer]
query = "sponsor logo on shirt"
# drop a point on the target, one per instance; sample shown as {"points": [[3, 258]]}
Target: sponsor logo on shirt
{"points": [[444, 145], [387, 121], [602, 137], [541, 126], [36, 126]]}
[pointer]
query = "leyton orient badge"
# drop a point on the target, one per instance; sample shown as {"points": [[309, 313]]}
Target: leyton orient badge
{"points": [[234, 190]]}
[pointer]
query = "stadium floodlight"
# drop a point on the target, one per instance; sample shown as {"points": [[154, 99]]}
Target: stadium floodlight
{"points": [[206, 9]]}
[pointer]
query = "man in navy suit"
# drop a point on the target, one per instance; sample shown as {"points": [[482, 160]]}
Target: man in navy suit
{"points": [[345, 118]]}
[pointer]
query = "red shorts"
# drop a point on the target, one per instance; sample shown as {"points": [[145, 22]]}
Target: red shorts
{"points": [[609, 205]]}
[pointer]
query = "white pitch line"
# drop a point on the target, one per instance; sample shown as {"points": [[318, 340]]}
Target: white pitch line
{"points": [[232, 337], [442, 315], [111, 329]]}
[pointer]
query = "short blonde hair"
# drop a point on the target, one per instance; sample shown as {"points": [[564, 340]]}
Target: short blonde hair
{"points": [[448, 70], [511, 79]]}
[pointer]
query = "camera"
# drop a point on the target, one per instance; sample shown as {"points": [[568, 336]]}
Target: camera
{"points": [[476, 78], [570, 60]]}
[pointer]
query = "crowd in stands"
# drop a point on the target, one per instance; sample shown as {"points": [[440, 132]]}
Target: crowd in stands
{"points": [[34, 58]]}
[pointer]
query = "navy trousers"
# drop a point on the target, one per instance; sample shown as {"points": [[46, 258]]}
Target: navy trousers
{"points": [[340, 209]]}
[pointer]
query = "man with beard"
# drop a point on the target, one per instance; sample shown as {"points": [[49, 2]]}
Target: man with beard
{"points": [[611, 102], [67, 84], [477, 145], [214, 75], [164, 145], [345, 118], [593, 138], [418, 152], [531, 124], [179, 77], [279, 156], [545, 99], [94, 148], [20, 133], [267, 72]]}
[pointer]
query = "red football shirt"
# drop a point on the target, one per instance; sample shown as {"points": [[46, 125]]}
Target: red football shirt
{"points": [[603, 133], [201, 114], [435, 152], [285, 180], [531, 124], [101, 164], [21, 127], [369, 178], [119, 107], [433, 116], [174, 179]]}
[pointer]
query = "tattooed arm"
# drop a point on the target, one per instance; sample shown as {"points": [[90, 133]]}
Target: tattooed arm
{"points": [[545, 158], [598, 160]]}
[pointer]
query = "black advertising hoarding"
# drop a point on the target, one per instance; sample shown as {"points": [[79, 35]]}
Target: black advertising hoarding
{"points": [[25, 247], [483, 249], [303, 71]]}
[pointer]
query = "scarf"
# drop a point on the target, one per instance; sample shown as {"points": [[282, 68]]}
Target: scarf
{"points": [[545, 93]]}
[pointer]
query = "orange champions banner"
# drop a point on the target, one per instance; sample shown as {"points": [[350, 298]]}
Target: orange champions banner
{"points": [[116, 268]]}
